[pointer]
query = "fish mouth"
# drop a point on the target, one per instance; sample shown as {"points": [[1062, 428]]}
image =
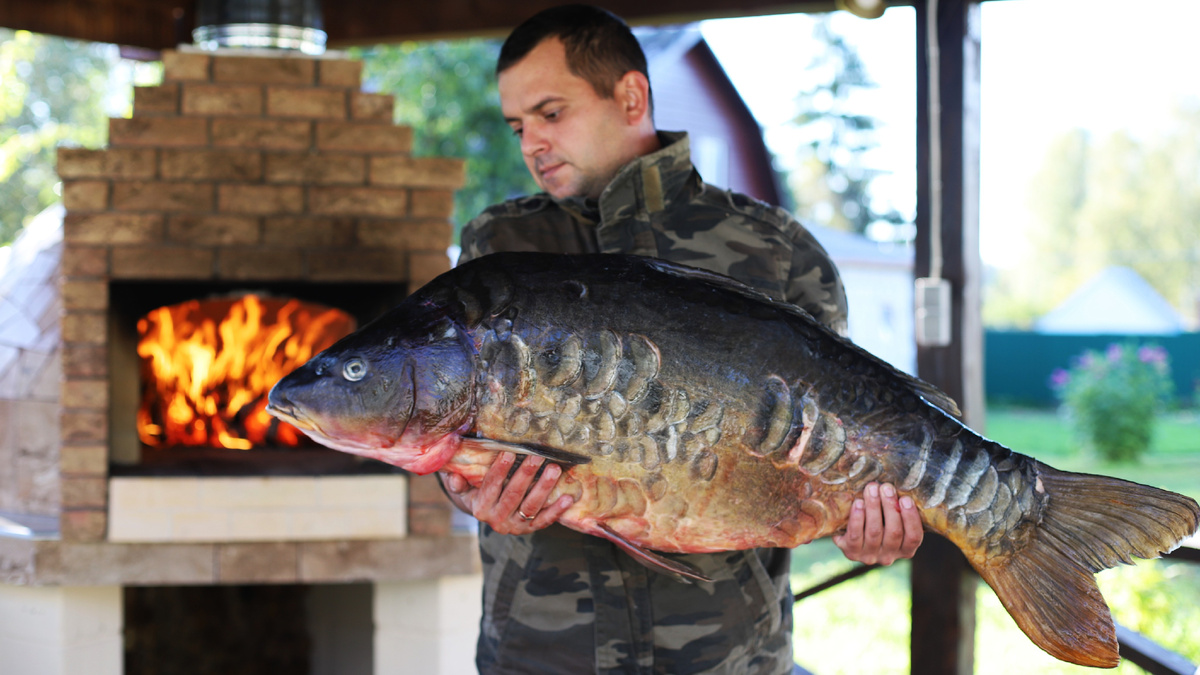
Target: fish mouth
{"points": [[290, 414]]}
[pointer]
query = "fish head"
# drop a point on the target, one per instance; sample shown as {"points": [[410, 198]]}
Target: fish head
{"points": [[399, 390]]}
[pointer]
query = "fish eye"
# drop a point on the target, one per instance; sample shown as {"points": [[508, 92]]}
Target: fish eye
{"points": [[354, 370]]}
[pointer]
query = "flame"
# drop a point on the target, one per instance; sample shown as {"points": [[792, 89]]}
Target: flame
{"points": [[207, 367]]}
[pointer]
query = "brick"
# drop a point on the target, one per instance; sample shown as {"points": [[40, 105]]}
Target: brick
{"points": [[211, 165], [257, 70], [162, 262], [329, 104], [83, 524], [340, 73], [260, 263], [112, 228], [435, 235], [221, 99], [258, 562], [423, 172], [185, 65], [308, 231], [357, 265], [85, 327], [169, 132], [429, 521], [213, 229], [268, 134], [85, 295], [358, 201], [311, 167], [260, 199], [162, 196], [78, 393], [372, 107], [423, 266], [431, 204], [86, 426], [85, 195], [108, 163], [84, 491], [425, 490], [83, 459], [363, 137], [163, 100], [85, 261], [84, 360]]}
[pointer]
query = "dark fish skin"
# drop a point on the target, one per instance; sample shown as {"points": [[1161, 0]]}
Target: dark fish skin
{"points": [[698, 415]]}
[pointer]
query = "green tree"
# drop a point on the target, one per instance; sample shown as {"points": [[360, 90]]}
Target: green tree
{"points": [[832, 180], [447, 92], [1111, 200], [52, 92]]}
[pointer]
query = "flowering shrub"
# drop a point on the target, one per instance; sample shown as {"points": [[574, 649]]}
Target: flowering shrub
{"points": [[1115, 396]]}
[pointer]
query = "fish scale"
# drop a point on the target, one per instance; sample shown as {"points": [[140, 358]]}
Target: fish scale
{"points": [[693, 414]]}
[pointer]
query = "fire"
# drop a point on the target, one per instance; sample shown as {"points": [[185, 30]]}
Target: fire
{"points": [[207, 367]]}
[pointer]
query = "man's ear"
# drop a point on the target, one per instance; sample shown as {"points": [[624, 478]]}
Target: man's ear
{"points": [[633, 93]]}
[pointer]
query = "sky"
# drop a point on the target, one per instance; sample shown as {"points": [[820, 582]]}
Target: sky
{"points": [[1048, 66]]}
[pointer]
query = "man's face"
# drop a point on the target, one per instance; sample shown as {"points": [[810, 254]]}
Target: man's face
{"points": [[573, 141]]}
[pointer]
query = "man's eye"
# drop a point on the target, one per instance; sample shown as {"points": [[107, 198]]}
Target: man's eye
{"points": [[517, 132], [553, 114]]}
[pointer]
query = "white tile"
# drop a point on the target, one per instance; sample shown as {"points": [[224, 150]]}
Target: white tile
{"points": [[381, 491]]}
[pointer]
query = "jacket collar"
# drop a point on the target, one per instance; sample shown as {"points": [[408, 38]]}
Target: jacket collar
{"points": [[649, 184]]}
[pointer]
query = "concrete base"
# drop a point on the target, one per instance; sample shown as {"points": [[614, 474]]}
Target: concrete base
{"points": [[61, 630], [427, 626]]}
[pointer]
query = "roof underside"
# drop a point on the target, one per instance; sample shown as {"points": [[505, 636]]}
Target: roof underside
{"points": [[163, 24]]}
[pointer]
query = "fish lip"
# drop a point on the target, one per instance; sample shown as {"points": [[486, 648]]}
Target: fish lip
{"points": [[291, 415]]}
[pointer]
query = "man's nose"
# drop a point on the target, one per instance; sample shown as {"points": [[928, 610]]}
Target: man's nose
{"points": [[533, 141]]}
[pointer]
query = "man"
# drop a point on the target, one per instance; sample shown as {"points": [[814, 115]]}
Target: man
{"points": [[574, 88]]}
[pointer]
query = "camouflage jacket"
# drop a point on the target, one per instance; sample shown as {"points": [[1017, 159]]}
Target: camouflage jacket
{"points": [[558, 601]]}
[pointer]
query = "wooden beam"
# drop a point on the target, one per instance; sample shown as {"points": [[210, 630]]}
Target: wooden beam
{"points": [[164, 24], [943, 584], [151, 24]]}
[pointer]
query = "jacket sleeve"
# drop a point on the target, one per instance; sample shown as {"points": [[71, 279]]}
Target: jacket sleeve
{"points": [[814, 283]]}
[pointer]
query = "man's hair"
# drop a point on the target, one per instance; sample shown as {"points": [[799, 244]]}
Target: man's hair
{"points": [[600, 47]]}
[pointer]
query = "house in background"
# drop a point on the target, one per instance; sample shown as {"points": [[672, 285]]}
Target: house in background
{"points": [[1117, 301], [692, 92]]}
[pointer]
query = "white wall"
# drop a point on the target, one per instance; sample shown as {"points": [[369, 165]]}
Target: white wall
{"points": [[61, 630]]}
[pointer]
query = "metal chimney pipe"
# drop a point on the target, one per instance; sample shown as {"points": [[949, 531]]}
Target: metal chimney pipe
{"points": [[261, 24]]}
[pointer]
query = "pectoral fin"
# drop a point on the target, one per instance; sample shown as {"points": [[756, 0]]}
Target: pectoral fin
{"points": [[553, 454], [676, 568]]}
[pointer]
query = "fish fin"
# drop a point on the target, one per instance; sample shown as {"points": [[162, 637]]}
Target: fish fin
{"points": [[933, 395], [682, 571], [555, 455], [1090, 523]]}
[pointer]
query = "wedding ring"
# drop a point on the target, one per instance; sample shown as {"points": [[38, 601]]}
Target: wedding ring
{"points": [[523, 516]]}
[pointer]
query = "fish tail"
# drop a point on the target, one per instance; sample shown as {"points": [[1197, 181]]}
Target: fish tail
{"points": [[1088, 523]]}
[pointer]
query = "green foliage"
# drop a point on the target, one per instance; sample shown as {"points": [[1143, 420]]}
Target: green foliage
{"points": [[832, 181], [52, 92], [447, 92], [1116, 396]]}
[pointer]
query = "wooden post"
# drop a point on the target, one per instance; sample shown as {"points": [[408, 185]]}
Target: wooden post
{"points": [[943, 584]]}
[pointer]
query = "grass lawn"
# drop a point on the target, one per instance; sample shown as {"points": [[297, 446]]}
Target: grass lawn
{"points": [[862, 626]]}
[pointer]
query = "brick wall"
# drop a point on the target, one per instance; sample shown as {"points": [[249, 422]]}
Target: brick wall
{"points": [[236, 168]]}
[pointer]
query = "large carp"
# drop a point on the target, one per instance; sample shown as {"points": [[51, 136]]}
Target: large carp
{"points": [[698, 415]]}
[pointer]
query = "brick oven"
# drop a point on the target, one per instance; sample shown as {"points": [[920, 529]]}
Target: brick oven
{"points": [[244, 173]]}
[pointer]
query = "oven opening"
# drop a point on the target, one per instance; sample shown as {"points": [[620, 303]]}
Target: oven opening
{"points": [[191, 366]]}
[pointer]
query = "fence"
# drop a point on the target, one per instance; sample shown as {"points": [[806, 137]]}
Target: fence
{"points": [[1017, 364]]}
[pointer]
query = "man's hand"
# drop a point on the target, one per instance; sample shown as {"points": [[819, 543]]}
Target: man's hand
{"points": [[882, 529], [515, 505]]}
